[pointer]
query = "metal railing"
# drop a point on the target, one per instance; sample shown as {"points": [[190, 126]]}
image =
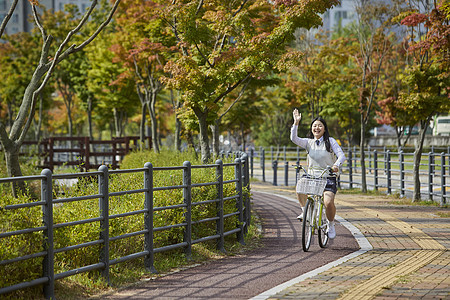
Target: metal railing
{"points": [[47, 202], [386, 170]]}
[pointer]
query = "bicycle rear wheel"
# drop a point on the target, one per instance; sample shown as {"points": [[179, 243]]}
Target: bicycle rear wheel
{"points": [[307, 226], [323, 226]]}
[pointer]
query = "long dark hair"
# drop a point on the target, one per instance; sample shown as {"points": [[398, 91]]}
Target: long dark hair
{"points": [[326, 134]]}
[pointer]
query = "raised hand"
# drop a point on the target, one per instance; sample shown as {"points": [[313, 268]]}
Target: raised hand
{"points": [[297, 116]]}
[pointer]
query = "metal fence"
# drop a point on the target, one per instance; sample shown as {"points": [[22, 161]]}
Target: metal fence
{"points": [[46, 201], [386, 170]]}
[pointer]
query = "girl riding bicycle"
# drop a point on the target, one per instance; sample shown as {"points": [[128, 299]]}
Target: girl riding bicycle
{"points": [[322, 152]]}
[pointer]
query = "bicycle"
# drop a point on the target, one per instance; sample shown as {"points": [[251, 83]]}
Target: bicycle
{"points": [[314, 216]]}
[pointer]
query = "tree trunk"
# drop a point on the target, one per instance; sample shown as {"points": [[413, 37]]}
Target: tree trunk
{"points": [[116, 122], [154, 121], [417, 159], [215, 137], [13, 167], [243, 137], [177, 134], [176, 105], [203, 136], [70, 121], [362, 154], [190, 140], [38, 124], [142, 126], [89, 113]]}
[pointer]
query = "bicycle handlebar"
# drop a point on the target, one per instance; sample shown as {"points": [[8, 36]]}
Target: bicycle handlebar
{"points": [[328, 170]]}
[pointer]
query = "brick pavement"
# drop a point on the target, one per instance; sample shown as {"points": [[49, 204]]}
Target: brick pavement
{"points": [[410, 258]]}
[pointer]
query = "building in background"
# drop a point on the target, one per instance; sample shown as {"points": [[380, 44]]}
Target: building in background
{"points": [[21, 20], [340, 16]]}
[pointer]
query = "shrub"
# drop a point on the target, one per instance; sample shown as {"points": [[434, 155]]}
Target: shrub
{"points": [[88, 209]]}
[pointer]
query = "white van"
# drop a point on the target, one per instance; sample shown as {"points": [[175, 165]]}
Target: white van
{"points": [[441, 125]]}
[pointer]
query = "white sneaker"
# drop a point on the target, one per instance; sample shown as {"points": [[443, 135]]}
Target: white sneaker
{"points": [[300, 216], [331, 230]]}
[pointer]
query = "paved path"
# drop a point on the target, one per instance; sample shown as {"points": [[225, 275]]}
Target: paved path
{"points": [[405, 256], [409, 259]]}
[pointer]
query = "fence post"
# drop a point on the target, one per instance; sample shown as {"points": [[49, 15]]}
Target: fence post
{"points": [[385, 159], [430, 175], [388, 169], [220, 223], [252, 154], [239, 200], [402, 173], [47, 213], [103, 187], [375, 170], [247, 186], [286, 173], [274, 167], [263, 164], [187, 198], [443, 179], [148, 217], [369, 159], [350, 171]]}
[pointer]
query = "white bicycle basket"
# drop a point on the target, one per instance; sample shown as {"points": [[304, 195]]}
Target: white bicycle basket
{"points": [[311, 186]]}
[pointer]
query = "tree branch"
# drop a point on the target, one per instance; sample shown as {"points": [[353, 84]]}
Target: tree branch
{"points": [[100, 28], [38, 22], [7, 17], [240, 7], [204, 57], [237, 98], [200, 4], [231, 88]]}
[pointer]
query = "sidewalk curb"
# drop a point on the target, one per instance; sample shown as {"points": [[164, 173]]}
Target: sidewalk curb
{"points": [[360, 238]]}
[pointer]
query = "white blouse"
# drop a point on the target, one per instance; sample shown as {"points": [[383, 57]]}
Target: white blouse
{"points": [[318, 156]]}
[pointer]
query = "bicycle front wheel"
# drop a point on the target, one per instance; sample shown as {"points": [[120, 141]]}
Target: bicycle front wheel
{"points": [[308, 223], [323, 226]]}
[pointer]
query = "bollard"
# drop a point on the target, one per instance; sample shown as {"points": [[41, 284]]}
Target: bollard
{"points": [[350, 170], [375, 170], [430, 176], [274, 167], [388, 169], [402, 173], [263, 164], [286, 173], [442, 179]]}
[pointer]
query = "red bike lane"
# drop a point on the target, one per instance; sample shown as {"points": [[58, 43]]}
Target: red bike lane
{"points": [[280, 259]]}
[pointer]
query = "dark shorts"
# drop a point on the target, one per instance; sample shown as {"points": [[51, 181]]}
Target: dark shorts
{"points": [[331, 185]]}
